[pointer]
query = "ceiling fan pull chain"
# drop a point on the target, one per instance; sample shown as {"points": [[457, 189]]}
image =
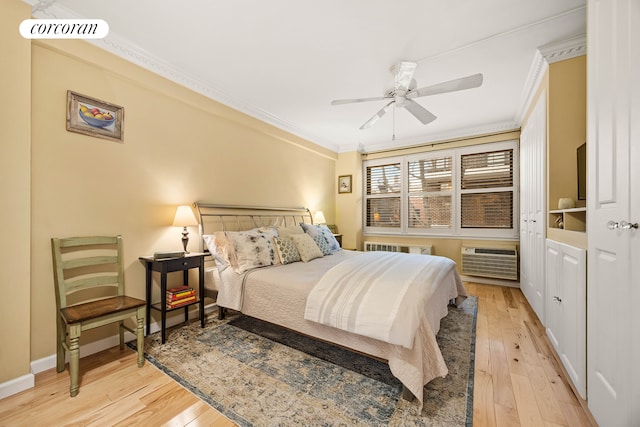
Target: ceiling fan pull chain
{"points": [[393, 137]]}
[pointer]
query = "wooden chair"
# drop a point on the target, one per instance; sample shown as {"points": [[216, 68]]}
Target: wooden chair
{"points": [[89, 280]]}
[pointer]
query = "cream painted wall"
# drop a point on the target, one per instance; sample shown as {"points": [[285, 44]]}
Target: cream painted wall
{"points": [[568, 126], [179, 147], [567, 130], [15, 148], [349, 207]]}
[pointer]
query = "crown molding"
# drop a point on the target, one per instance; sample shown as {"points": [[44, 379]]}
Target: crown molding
{"points": [[566, 49], [434, 139], [545, 55]]}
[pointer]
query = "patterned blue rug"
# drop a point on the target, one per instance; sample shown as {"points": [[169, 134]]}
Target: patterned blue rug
{"points": [[258, 374]]}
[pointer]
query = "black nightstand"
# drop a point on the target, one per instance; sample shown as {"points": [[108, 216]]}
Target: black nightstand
{"points": [[165, 266]]}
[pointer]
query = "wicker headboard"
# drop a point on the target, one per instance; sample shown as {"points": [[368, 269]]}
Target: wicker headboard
{"points": [[214, 217]]}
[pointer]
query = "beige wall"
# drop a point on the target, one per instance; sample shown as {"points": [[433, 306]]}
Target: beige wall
{"points": [[349, 207], [567, 130], [179, 147], [568, 126], [15, 148]]}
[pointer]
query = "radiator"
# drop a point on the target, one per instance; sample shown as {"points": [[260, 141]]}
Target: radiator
{"points": [[397, 247], [490, 262]]}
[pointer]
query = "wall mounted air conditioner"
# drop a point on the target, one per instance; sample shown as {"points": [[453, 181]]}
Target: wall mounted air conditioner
{"points": [[398, 247], [497, 263]]}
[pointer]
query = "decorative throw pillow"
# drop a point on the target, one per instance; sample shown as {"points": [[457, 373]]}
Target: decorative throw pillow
{"points": [[322, 244], [306, 247], [323, 230], [252, 248], [287, 250]]}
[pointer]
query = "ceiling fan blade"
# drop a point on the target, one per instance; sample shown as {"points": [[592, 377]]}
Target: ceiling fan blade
{"points": [[376, 116], [404, 73], [419, 112], [351, 101], [463, 83]]}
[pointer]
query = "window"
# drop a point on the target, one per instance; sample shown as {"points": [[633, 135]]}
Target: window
{"points": [[383, 196], [429, 193], [468, 191], [486, 187]]}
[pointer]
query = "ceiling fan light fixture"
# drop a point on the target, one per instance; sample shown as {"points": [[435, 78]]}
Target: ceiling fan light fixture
{"points": [[404, 92]]}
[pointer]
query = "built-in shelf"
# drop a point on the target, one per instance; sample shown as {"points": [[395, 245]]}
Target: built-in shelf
{"points": [[574, 219]]}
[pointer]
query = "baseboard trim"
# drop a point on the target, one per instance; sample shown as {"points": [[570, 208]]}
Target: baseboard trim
{"points": [[26, 382], [489, 281], [17, 385]]}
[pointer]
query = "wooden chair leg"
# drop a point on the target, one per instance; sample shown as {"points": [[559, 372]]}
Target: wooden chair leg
{"points": [[121, 332], [61, 337], [74, 358], [140, 334]]}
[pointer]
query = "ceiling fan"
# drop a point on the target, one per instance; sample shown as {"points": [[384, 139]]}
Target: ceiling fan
{"points": [[404, 92]]}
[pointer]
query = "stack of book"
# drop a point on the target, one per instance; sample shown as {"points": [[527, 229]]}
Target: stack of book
{"points": [[180, 296]]}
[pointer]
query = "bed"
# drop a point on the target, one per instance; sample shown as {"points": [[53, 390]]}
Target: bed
{"points": [[281, 292]]}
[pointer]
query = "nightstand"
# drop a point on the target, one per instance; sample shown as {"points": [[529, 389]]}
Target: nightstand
{"points": [[338, 238], [164, 267]]}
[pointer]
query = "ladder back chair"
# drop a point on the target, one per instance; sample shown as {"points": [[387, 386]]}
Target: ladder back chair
{"points": [[89, 280]]}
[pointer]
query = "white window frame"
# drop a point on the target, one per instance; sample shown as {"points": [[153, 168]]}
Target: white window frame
{"points": [[456, 197]]}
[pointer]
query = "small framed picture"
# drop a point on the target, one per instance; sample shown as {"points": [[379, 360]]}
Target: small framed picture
{"points": [[94, 117], [344, 184]]}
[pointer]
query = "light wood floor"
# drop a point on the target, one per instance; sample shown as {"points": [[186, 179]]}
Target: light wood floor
{"points": [[518, 382]]}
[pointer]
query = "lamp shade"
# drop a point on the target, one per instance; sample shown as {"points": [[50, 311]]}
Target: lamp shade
{"points": [[318, 218], [184, 217]]}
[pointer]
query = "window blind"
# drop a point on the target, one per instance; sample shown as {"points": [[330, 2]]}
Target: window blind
{"points": [[384, 184], [429, 187], [487, 173]]}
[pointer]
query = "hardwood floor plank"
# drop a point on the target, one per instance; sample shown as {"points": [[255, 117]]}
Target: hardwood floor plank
{"points": [[506, 417], [483, 404], [483, 350], [114, 391], [548, 405], [528, 410]]}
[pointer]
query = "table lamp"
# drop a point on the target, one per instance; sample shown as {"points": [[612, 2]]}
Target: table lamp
{"points": [[318, 218], [185, 218]]}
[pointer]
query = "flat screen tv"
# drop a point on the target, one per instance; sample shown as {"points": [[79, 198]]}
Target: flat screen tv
{"points": [[582, 171]]}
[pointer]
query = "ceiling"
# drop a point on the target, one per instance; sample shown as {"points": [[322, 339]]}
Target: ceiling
{"points": [[284, 61]]}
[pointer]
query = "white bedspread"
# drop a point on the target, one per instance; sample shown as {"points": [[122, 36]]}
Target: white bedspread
{"points": [[381, 295]]}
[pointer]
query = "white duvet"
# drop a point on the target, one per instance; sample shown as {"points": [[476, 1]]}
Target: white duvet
{"points": [[381, 295]]}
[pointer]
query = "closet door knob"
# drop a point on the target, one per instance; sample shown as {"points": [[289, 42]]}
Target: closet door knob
{"points": [[627, 225], [612, 225]]}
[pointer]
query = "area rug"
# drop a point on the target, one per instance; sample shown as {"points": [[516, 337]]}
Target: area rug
{"points": [[258, 374]]}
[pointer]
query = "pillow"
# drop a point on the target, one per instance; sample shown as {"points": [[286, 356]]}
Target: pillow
{"points": [[252, 248], [287, 250], [219, 248], [322, 244], [314, 230], [289, 230], [306, 247]]}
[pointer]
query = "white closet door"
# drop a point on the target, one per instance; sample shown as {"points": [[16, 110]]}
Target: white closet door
{"points": [[613, 292], [533, 142]]}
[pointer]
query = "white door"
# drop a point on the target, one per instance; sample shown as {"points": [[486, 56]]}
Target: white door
{"points": [[613, 340], [533, 142]]}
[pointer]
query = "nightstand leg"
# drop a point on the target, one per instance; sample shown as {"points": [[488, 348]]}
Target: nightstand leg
{"points": [[163, 303], [148, 292]]}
